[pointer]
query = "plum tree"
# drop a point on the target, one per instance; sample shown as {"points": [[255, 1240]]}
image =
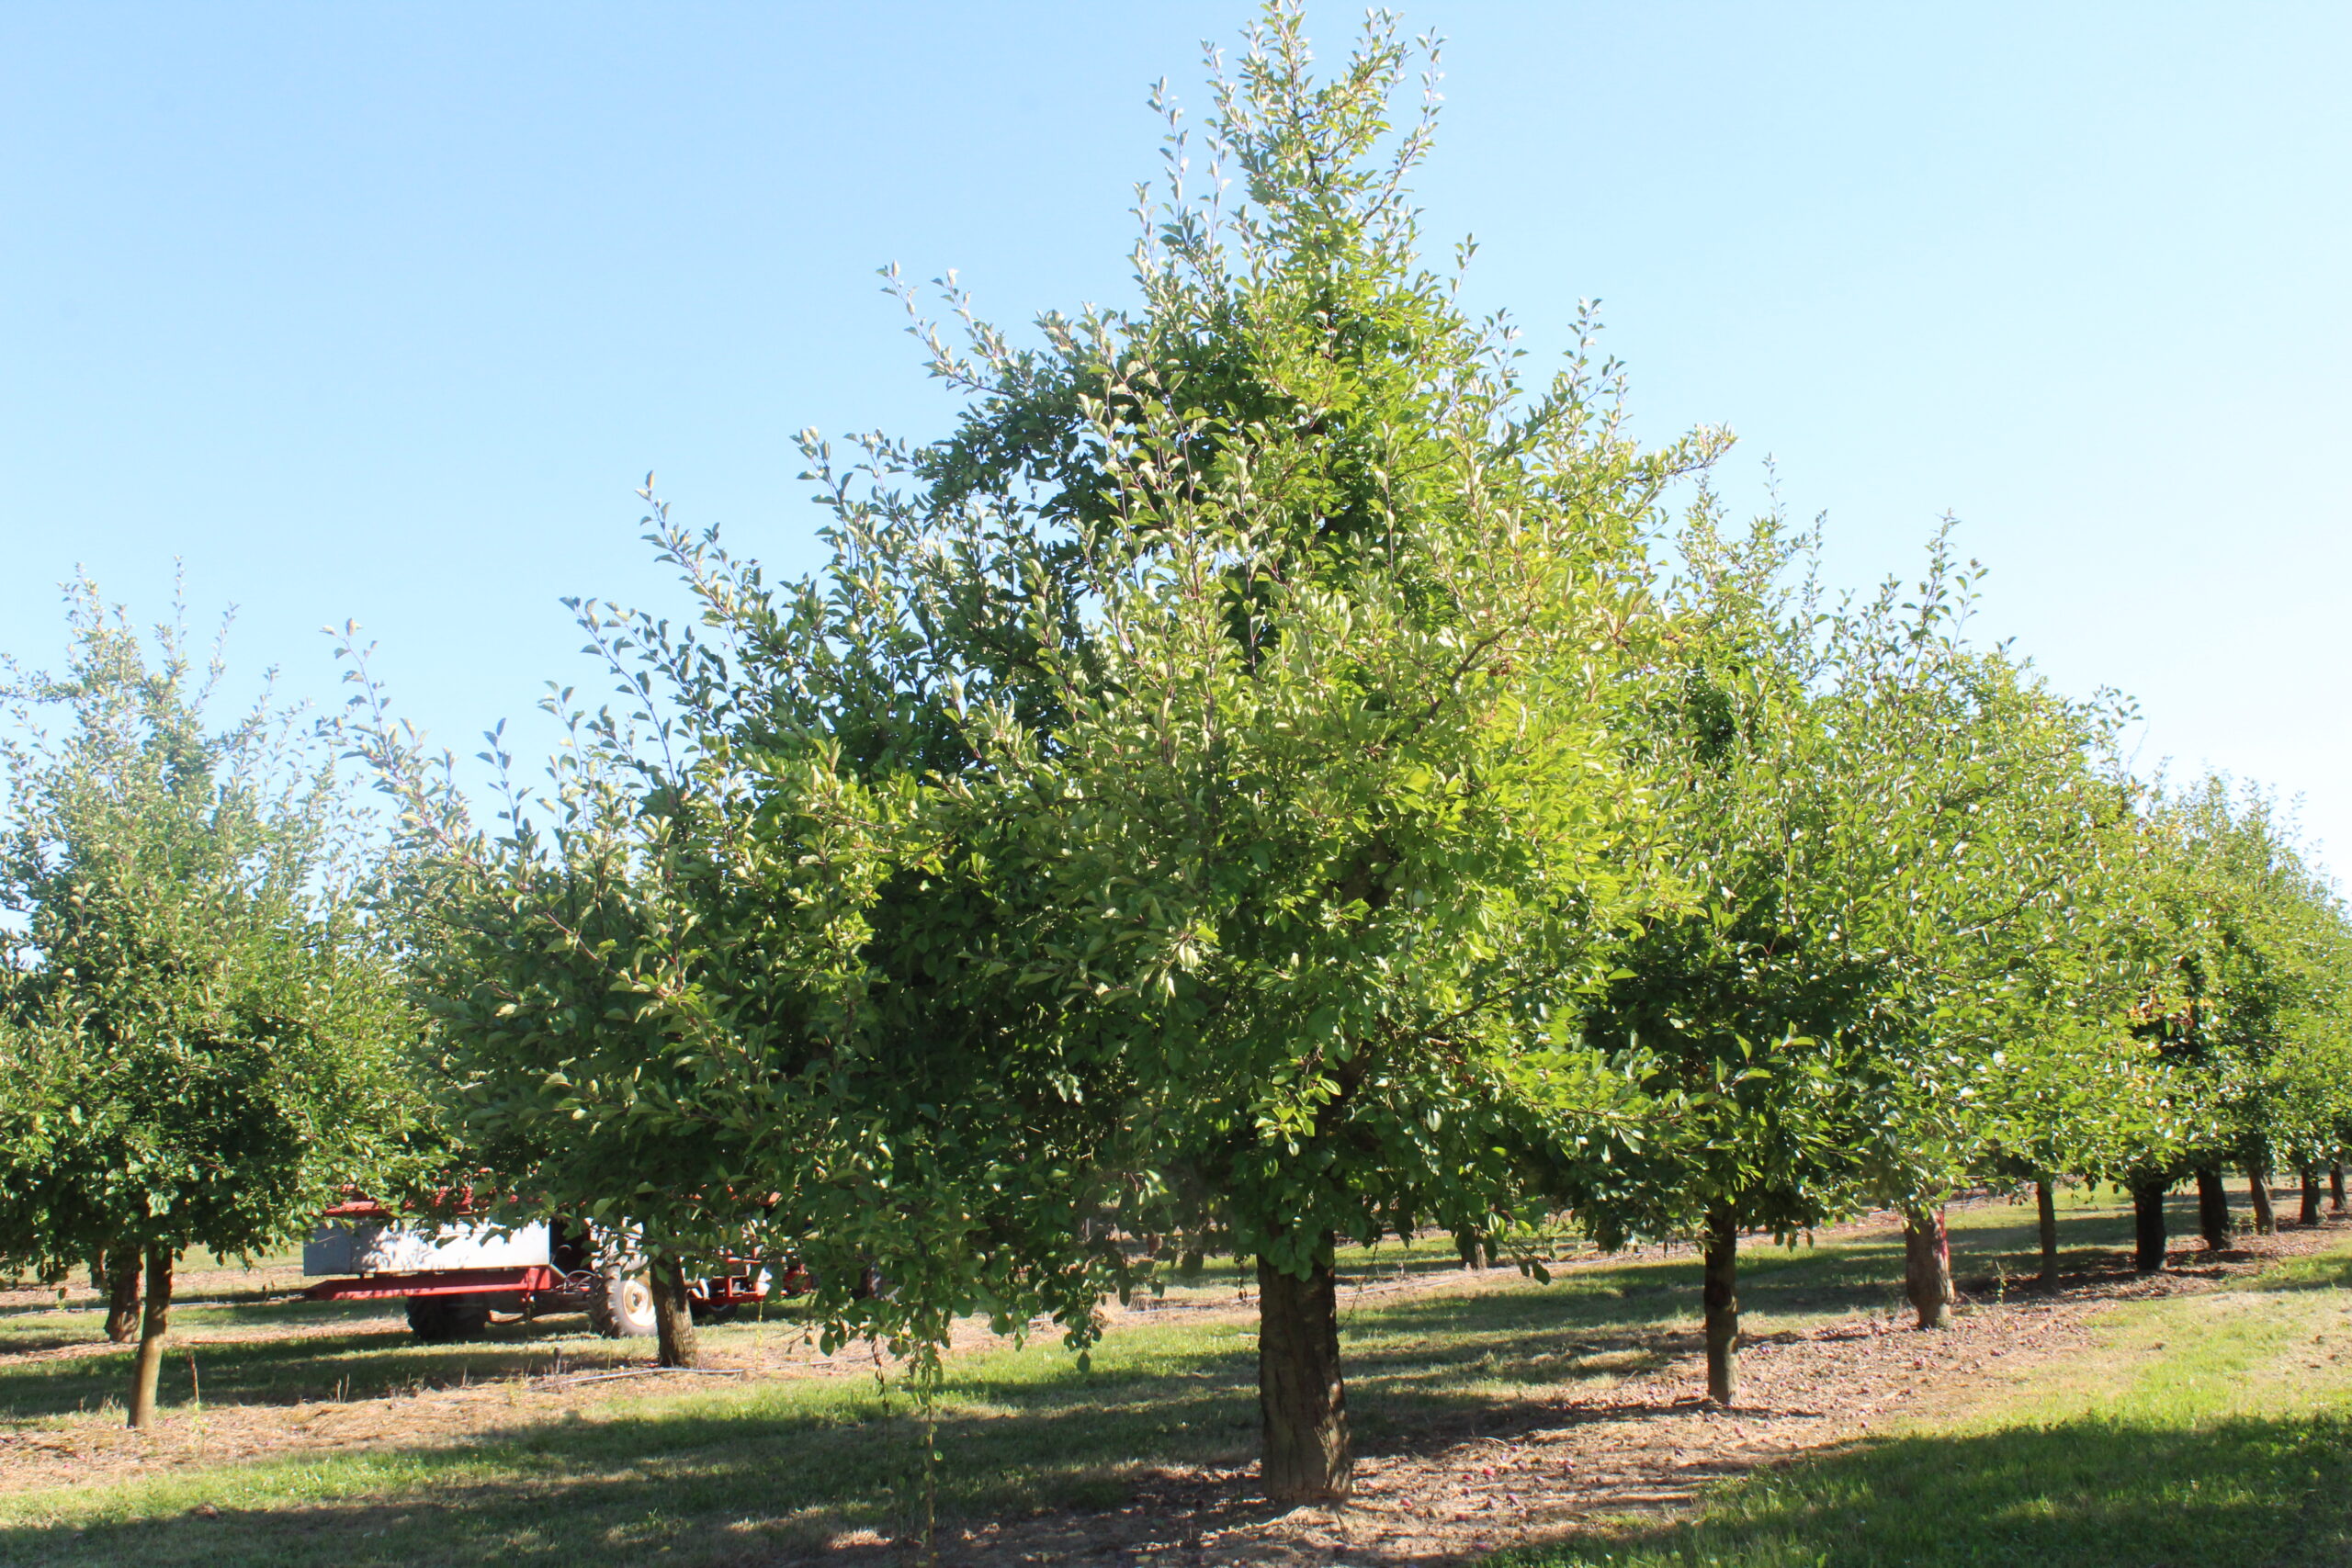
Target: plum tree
{"points": [[203, 1041]]}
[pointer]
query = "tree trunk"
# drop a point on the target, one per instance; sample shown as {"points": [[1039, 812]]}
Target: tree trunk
{"points": [[1466, 1245], [2045, 1205], [2257, 1181], [2310, 1216], [153, 1325], [1926, 1267], [2213, 1207], [673, 1318], [120, 1272], [1301, 1404], [2336, 1186], [2148, 1224], [1721, 1295]]}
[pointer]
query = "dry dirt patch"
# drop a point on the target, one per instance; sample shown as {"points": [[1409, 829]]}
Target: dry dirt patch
{"points": [[1649, 1445]]}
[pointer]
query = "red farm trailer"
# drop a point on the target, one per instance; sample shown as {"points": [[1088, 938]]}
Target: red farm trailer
{"points": [[459, 1276]]}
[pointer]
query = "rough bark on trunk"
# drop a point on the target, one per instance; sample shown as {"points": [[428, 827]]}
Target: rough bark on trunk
{"points": [[2045, 1205], [673, 1319], [1926, 1267], [154, 1323], [1466, 1245], [1721, 1295], [2336, 1186], [2148, 1224], [2213, 1207], [2258, 1183], [2310, 1216], [1302, 1404], [119, 1273]]}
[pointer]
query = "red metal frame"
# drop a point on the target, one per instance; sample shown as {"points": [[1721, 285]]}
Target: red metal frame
{"points": [[729, 1290], [530, 1279]]}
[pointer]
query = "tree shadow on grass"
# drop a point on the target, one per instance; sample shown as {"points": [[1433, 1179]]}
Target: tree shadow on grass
{"points": [[750, 1486], [1644, 1294], [2087, 1493], [782, 1468], [765, 1480], [28, 1330], [2328, 1270], [359, 1363], [705, 1482]]}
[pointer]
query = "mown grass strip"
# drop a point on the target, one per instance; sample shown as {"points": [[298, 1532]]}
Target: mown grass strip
{"points": [[2209, 1428]]}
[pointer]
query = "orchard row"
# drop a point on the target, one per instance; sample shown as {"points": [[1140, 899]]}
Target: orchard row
{"points": [[1270, 778]]}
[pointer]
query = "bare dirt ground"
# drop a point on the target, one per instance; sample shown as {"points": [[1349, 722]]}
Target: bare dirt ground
{"points": [[1549, 1465], [1646, 1446]]}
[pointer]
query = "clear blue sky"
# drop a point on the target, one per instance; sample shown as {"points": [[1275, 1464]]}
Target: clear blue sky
{"points": [[381, 311]]}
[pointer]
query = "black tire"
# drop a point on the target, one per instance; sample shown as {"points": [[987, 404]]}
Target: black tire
{"points": [[709, 1311], [621, 1307], [442, 1320]]}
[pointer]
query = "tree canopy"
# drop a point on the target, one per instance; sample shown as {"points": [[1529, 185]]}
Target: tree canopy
{"points": [[204, 1044], [1273, 775]]}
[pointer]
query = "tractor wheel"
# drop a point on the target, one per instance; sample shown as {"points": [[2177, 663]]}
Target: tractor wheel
{"points": [[622, 1306], [439, 1320]]}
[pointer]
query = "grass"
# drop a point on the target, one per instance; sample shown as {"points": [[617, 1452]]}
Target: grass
{"points": [[2209, 1428], [728, 1473]]}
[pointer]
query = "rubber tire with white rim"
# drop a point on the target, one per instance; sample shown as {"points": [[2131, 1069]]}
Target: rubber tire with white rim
{"points": [[623, 1307]]}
